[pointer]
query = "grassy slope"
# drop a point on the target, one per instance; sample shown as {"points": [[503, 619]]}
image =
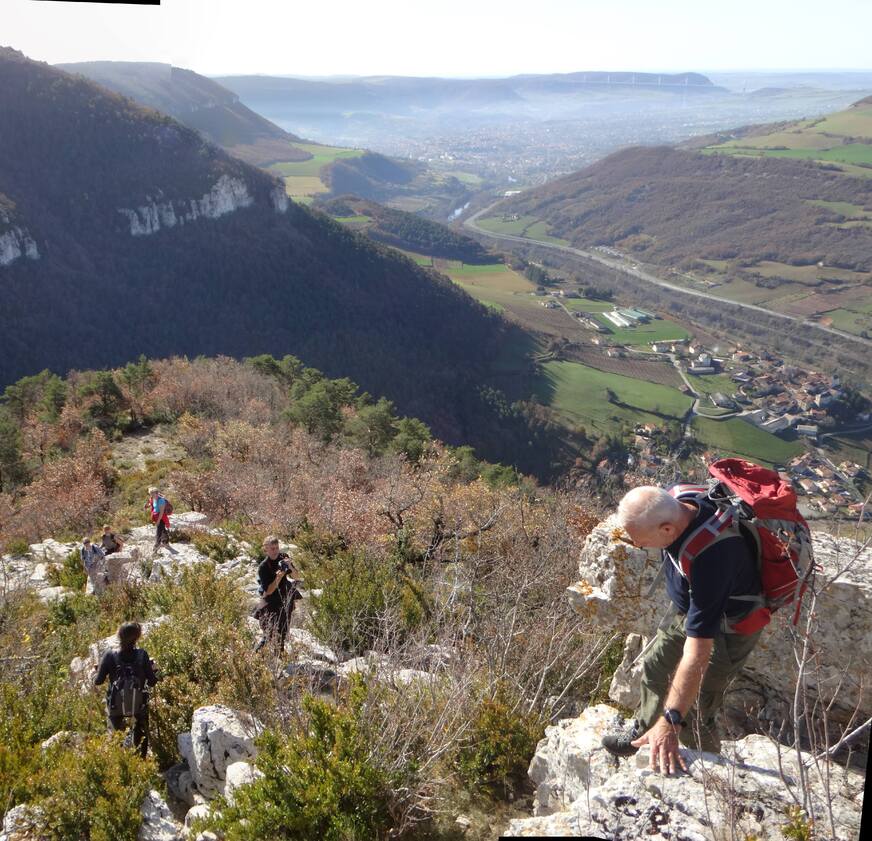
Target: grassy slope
{"points": [[579, 393], [738, 437]]}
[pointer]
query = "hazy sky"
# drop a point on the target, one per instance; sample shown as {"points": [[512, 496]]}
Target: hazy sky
{"points": [[448, 37]]}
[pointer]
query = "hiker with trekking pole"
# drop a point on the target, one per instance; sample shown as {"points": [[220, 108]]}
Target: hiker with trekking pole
{"points": [[131, 675], [733, 550]]}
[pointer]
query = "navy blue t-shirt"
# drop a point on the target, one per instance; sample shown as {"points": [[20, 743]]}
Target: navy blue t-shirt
{"points": [[723, 570]]}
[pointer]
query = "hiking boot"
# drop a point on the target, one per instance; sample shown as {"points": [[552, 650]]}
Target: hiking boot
{"points": [[618, 744]]}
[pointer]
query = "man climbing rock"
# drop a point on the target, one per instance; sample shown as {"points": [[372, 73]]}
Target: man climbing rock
{"points": [[692, 660]]}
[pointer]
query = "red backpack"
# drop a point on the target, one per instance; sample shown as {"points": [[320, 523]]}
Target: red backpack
{"points": [[754, 501]]}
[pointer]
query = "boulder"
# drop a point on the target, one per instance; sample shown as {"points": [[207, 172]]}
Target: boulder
{"points": [[47, 595], [239, 774], [180, 783], [158, 823], [52, 551], [189, 520], [219, 737], [303, 643], [21, 823], [613, 591], [201, 810], [582, 790], [63, 738], [383, 670]]}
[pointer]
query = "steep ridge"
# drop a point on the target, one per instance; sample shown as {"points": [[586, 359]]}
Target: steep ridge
{"points": [[198, 103], [134, 235]]}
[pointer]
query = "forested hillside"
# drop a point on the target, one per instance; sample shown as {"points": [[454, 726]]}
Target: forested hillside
{"points": [[198, 103], [407, 230], [146, 239], [669, 206]]}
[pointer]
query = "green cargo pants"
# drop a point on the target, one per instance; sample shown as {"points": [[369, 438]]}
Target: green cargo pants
{"points": [[728, 656]]}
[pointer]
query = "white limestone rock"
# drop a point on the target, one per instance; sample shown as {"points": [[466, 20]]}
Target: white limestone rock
{"points": [[53, 594], [16, 243], [201, 810], [227, 195], [63, 738], [180, 782], [383, 670], [615, 579], [561, 767], [239, 774], [302, 643], [220, 736], [51, 551], [626, 681], [189, 520], [22, 823], [158, 823], [582, 790]]}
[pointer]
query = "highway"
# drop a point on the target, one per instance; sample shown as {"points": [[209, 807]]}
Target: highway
{"points": [[639, 274]]}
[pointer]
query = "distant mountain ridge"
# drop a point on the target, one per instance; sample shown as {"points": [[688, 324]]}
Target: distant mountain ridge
{"points": [[150, 240], [197, 102], [399, 94]]}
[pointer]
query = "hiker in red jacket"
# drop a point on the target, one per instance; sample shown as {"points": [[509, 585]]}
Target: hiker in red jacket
{"points": [[690, 663], [160, 509]]}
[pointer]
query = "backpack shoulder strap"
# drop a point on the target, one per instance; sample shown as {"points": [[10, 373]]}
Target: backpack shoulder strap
{"points": [[721, 525]]}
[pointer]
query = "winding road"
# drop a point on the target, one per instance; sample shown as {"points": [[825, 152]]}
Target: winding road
{"points": [[649, 278]]}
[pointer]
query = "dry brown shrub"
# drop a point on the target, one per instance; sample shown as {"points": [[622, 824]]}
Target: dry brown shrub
{"points": [[219, 388], [70, 494]]}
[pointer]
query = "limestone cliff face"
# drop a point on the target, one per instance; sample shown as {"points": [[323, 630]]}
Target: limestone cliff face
{"points": [[615, 590], [228, 195], [15, 242]]}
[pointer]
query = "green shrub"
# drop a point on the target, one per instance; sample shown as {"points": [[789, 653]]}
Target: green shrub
{"points": [[216, 547], [93, 791], [70, 573], [17, 546], [359, 591], [319, 782], [799, 826], [495, 753], [204, 654]]}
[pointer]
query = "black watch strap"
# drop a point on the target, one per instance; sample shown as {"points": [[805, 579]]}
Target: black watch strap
{"points": [[674, 717]]}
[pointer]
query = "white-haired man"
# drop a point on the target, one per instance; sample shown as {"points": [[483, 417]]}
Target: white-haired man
{"points": [[691, 662]]}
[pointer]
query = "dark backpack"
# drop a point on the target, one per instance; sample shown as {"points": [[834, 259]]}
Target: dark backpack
{"points": [[128, 693], [168, 506]]}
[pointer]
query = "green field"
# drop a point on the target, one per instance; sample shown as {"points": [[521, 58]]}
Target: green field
{"points": [[656, 330], [302, 178], [578, 392], [523, 226], [850, 321], [590, 305], [736, 437], [834, 139], [321, 155], [848, 210], [710, 383], [353, 220], [496, 277]]}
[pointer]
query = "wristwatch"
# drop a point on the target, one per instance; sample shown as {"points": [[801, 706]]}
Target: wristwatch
{"points": [[674, 717]]}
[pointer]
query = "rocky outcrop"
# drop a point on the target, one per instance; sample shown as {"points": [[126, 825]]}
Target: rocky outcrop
{"points": [[21, 823], [226, 196], [582, 790], [15, 243], [158, 823], [618, 591], [219, 737]]}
